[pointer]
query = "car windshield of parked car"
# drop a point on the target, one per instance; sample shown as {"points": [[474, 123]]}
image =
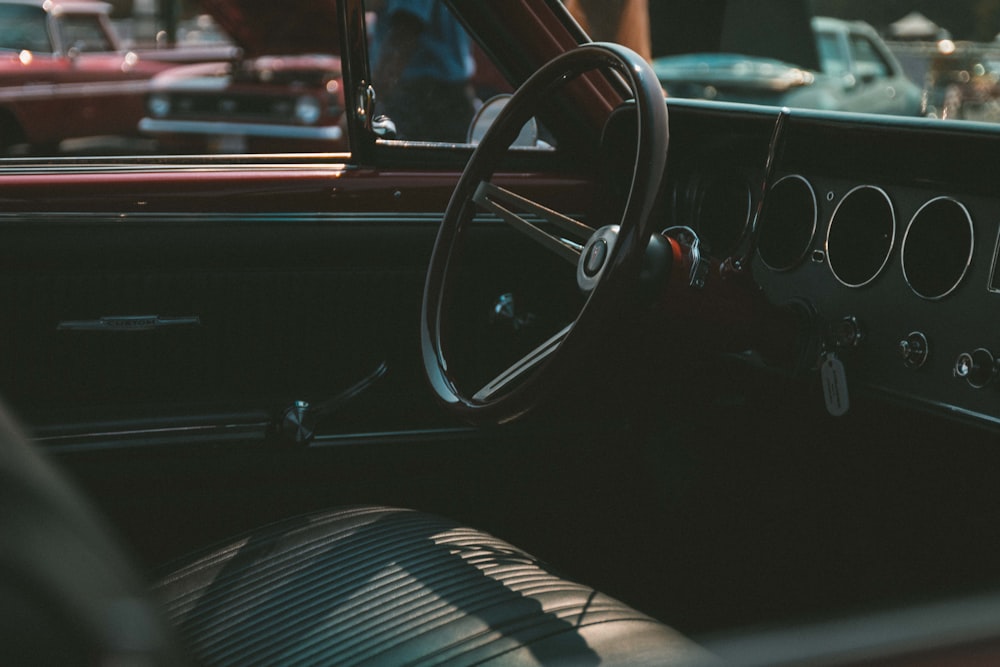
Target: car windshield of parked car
{"points": [[126, 79], [23, 28]]}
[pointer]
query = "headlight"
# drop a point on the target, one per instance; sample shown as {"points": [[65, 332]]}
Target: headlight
{"points": [[307, 110], [159, 105]]}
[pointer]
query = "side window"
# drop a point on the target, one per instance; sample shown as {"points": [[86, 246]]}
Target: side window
{"points": [[430, 77], [831, 55], [868, 61], [276, 87], [84, 32], [258, 80], [22, 28]]}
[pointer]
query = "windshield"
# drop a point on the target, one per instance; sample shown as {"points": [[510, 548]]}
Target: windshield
{"points": [[23, 27], [247, 82]]}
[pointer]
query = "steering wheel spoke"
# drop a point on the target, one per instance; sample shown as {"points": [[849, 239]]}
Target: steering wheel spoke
{"points": [[504, 203], [526, 364]]}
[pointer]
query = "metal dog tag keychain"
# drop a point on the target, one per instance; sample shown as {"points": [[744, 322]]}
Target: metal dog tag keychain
{"points": [[834, 385]]}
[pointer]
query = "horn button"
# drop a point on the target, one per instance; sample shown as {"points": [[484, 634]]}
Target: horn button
{"points": [[595, 256]]}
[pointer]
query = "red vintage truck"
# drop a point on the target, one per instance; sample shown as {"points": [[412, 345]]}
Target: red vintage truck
{"points": [[64, 75]]}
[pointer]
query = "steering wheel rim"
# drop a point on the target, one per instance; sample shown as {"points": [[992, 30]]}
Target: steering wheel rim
{"points": [[611, 276]]}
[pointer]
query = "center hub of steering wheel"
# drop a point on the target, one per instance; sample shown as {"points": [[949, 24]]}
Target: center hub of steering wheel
{"points": [[595, 257]]}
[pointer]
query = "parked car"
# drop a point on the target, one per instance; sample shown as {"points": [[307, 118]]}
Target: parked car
{"points": [[695, 382], [280, 95], [857, 72], [62, 59]]}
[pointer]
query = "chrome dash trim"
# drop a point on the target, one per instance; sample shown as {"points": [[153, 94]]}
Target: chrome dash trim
{"points": [[833, 220], [992, 286], [968, 259], [812, 232]]}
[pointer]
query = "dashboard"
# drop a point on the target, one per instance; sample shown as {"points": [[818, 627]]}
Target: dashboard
{"points": [[885, 231]]}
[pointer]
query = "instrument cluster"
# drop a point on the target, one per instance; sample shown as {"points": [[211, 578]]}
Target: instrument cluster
{"points": [[895, 258]]}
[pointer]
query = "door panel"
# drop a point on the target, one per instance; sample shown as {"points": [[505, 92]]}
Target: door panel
{"points": [[132, 315], [266, 312]]}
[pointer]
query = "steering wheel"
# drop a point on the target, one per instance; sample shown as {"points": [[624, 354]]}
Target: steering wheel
{"points": [[609, 261]]}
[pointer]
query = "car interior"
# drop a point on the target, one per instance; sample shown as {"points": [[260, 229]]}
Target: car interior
{"points": [[678, 383]]}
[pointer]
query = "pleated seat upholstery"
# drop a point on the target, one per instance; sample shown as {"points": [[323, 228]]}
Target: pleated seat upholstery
{"points": [[373, 585]]}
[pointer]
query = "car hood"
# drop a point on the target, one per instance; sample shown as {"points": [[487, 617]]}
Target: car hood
{"points": [[266, 27], [731, 71], [308, 71]]}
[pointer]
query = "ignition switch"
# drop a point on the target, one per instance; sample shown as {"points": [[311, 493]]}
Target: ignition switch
{"points": [[977, 367], [847, 333]]}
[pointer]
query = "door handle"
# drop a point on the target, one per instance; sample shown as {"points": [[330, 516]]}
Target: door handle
{"points": [[129, 323]]}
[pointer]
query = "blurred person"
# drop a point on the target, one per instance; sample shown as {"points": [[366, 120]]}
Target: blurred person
{"points": [[622, 21], [422, 68]]}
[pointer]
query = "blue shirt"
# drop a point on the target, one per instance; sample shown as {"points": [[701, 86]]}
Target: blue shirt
{"points": [[443, 50]]}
